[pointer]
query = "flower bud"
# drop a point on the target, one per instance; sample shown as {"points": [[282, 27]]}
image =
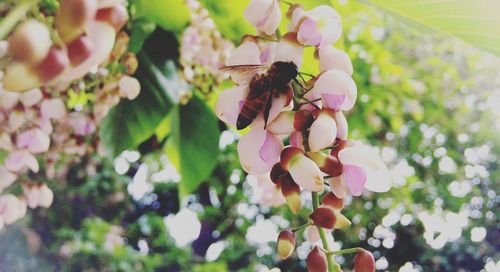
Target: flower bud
{"points": [[53, 65], [323, 131], [291, 192], [129, 87], [303, 119], [116, 16], [333, 58], [316, 261], [20, 77], [80, 49], [302, 169], [327, 163], [289, 49], [30, 42], [324, 217], [286, 244], [277, 172], [364, 261], [333, 201], [265, 16], [73, 16], [31, 97]]}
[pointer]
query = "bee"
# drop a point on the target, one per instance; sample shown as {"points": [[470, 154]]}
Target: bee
{"points": [[266, 82]]}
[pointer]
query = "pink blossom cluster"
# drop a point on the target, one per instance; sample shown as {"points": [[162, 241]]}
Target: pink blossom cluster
{"points": [[203, 49], [300, 141], [39, 133]]}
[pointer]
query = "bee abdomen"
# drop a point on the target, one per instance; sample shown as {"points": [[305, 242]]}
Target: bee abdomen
{"points": [[248, 112]]}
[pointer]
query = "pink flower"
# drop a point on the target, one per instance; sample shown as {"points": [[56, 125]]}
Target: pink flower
{"points": [[258, 151], [102, 36], [362, 168], [320, 26], [6, 178], [268, 193], [19, 159], [35, 140], [11, 208], [333, 58], [82, 125], [336, 89], [264, 15], [53, 109], [303, 170], [31, 97]]}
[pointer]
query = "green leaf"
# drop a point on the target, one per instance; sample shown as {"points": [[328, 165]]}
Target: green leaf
{"points": [[141, 29], [476, 22], [132, 122], [193, 144], [171, 15]]}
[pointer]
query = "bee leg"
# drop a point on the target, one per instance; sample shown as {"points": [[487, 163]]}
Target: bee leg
{"points": [[267, 109]]}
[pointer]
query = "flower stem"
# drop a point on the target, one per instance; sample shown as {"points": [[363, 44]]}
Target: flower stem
{"points": [[343, 251], [299, 228], [14, 16], [332, 265]]}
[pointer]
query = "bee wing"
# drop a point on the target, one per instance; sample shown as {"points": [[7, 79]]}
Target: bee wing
{"points": [[245, 71]]}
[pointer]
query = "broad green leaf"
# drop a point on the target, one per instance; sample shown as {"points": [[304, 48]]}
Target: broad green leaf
{"points": [[132, 122], [193, 144], [171, 15], [141, 29], [476, 22]]}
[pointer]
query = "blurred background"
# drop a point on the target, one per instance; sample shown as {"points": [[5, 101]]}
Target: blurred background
{"points": [[174, 198]]}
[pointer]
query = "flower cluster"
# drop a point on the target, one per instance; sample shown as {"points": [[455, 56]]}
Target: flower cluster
{"points": [[40, 131], [203, 49], [298, 134]]}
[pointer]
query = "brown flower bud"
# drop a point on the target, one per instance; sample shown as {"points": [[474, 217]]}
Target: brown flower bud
{"points": [[332, 201], [30, 42], [53, 65], [302, 120], [288, 155], [79, 50], [286, 244], [277, 172], [329, 164], [364, 261], [316, 261], [324, 217], [291, 192]]}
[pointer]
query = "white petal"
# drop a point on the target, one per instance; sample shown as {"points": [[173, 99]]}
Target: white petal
{"points": [[322, 133], [229, 103], [378, 177], [283, 123], [306, 174], [337, 82], [333, 58]]}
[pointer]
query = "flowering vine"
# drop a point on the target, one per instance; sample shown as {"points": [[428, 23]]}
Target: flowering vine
{"points": [[60, 74], [298, 132]]}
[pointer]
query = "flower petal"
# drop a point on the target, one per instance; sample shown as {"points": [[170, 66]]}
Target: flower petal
{"points": [[289, 49], [271, 149], [333, 58], [309, 33], [338, 187], [354, 178], [339, 83], [228, 103], [306, 174], [323, 132], [249, 148]]}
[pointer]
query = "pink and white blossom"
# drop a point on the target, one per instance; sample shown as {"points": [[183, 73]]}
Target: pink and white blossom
{"points": [[336, 89], [264, 15]]}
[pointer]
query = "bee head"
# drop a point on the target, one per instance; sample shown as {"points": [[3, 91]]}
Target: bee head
{"points": [[286, 71]]}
